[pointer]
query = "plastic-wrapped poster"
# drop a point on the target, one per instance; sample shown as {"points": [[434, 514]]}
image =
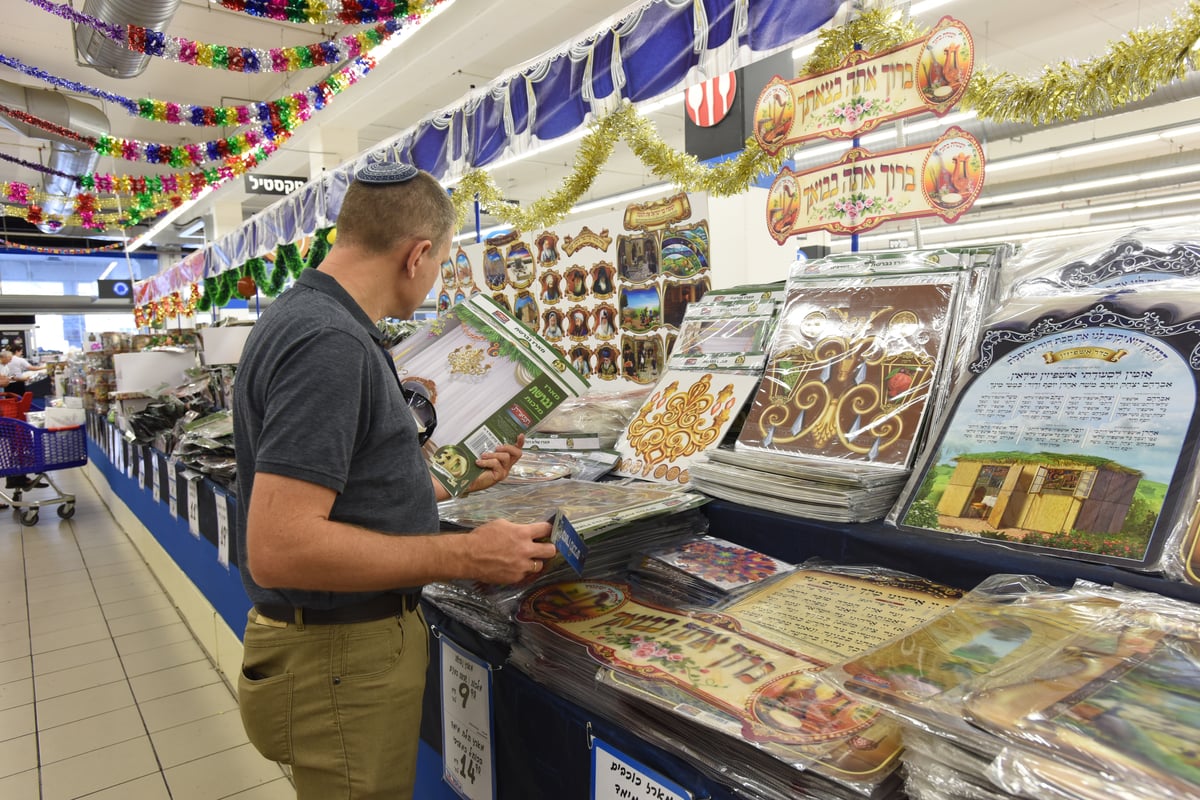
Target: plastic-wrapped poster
{"points": [[851, 369], [687, 413], [608, 291], [489, 379], [1069, 435], [723, 565]]}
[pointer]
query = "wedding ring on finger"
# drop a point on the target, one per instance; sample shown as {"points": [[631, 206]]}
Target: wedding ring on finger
{"points": [[537, 565]]}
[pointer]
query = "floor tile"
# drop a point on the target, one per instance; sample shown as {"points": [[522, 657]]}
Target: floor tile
{"points": [[16, 693], [203, 737], [221, 774], [154, 618], [59, 579], [189, 706], [155, 637], [61, 605], [99, 769], [111, 555], [69, 657], [70, 619], [117, 581], [13, 631], [18, 755], [22, 785], [281, 789], [68, 637], [154, 685], [77, 738], [119, 568], [81, 705], [53, 566], [16, 668], [151, 787], [75, 679], [138, 605], [128, 592], [18, 721], [171, 655]]}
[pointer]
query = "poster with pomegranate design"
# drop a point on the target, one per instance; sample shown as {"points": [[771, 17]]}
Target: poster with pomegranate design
{"points": [[607, 290], [851, 369], [863, 190], [687, 413], [929, 74]]}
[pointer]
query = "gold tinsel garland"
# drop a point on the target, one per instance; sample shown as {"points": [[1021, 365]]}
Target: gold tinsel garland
{"points": [[1130, 70]]}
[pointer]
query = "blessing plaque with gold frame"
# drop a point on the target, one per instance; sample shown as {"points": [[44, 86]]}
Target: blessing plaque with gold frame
{"points": [[851, 369]]}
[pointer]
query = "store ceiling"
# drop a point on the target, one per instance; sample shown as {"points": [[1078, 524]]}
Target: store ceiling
{"points": [[472, 41]]}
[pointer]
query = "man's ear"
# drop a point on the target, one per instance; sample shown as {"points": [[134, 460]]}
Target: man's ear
{"points": [[418, 251]]}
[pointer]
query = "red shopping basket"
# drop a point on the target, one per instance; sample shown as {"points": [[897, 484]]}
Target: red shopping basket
{"points": [[14, 406]]}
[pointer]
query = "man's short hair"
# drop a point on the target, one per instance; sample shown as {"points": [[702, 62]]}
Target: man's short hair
{"points": [[6, 352], [377, 217]]}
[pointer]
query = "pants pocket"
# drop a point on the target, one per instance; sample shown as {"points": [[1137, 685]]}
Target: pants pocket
{"points": [[266, 708]]}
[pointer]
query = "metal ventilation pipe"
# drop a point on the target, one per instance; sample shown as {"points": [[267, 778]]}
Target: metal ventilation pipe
{"points": [[66, 155], [106, 55]]}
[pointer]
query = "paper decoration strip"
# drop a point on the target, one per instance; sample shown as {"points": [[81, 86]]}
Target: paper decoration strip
{"points": [[688, 413], [863, 190], [929, 74]]}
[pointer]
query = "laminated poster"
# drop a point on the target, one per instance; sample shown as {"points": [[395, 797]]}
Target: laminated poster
{"points": [[851, 369], [1121, 697], [688, 413], [1068, 436], [489, 378], [721, 564]]}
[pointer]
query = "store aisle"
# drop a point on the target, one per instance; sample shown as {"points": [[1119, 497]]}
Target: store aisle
{"points": [[104, 693]]}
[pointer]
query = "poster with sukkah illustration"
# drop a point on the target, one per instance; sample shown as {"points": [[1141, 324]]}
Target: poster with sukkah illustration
{"points": [[489, 379], [851, 369], [1121, 698], [688, 413], [608, 290], [1076, 435]]}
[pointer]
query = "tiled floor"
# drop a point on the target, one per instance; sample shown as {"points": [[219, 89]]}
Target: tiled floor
{"points": [[104, 693]]}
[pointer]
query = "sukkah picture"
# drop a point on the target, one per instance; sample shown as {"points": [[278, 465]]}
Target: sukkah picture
{"points": [[676, 295], [1068, 437], [642, 358], [685, 250], [851, 371]]}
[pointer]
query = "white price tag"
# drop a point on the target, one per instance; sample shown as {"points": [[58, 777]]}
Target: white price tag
{"points": [[155, 484], [467, 760], [143, 469], [616, 776], [172, 489], [193, 505], [222, 528]]}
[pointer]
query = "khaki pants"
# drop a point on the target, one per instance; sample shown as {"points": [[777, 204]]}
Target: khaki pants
{"points": [[340, 703]]}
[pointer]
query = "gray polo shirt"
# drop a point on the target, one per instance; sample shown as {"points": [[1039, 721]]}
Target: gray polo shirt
{"points": [[316, 398]]}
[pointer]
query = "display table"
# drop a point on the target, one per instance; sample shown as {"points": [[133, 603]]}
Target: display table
{"points": [[542, 740]]}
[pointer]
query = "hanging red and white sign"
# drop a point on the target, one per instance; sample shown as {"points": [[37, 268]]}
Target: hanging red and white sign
{"points": [[708, 103]]}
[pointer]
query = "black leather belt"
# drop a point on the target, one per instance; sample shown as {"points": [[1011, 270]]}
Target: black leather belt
{"points": [[386, 605]]}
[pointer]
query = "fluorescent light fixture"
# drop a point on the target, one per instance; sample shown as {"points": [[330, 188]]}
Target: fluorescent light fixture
{"points": [[1113, 144], [108, 270], [166, 220], [393, 42], [605, 202], [927, 5], [483, 234]]}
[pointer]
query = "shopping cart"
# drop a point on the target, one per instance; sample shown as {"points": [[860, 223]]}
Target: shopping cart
{"points": [[36, 452]]}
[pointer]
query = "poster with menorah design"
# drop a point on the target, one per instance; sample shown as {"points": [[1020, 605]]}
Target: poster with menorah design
{"points": [[851, 369]]}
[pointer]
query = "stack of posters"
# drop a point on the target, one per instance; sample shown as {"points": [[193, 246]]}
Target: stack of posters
{"points": [[490, 380], [703, 571], [744, 681], [864, 348], [1076, 435], [728, 330], [613, 520], [1023, 689]]}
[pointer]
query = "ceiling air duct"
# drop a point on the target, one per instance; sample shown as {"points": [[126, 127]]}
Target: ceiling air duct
{"points": [[66, 156], [106, 55]]}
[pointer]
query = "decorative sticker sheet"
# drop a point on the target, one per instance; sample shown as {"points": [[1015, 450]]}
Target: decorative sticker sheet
{"points": [[1069, 436], [687, 413], [609, 292], [851, 370]]}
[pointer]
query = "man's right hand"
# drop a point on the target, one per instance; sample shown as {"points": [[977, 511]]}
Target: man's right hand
{"points": [[503, 552]]}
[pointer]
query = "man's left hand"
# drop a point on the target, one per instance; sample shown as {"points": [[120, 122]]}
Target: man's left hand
{"points": [[497, 464]]}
